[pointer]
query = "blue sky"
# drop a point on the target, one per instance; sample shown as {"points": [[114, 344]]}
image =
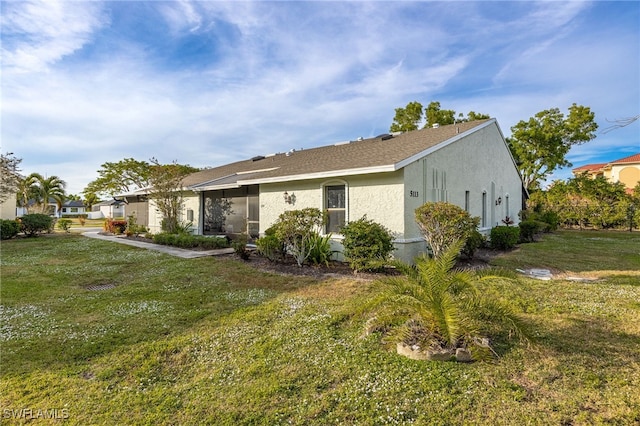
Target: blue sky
{"points": [[207, 83]]}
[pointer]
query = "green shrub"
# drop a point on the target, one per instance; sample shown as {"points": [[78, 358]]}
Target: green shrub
{"points": [[504, 237], [443, 224], [190, 241], [133, 228], [295, 228], [33, 224], [271, 247], [240, 247], [473, 243], [9, 229], [551, 219], [528, 230], [367, 244], [64, 224], [320, 249]]}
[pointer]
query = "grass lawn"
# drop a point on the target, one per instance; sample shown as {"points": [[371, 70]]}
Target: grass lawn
{"points": [[209, 341]]}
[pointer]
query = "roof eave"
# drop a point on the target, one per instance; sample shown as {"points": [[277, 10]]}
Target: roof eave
{"points": [[321, 175]]}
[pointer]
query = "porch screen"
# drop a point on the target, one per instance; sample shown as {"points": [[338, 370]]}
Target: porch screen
{"points": [[336, 207]]}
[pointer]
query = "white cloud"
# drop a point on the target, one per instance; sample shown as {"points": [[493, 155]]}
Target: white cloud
{"points": [[37, 34], [278, 75]]}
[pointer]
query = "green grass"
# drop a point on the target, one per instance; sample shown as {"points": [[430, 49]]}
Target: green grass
{"points": [[205, 341], [578, 251]]}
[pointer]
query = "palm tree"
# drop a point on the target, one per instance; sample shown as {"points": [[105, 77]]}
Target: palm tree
{"points": [[26, 191], [47, 188], [440, 308]]}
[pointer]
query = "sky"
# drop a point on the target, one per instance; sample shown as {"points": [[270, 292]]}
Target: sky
{"points": [[206, 83]]}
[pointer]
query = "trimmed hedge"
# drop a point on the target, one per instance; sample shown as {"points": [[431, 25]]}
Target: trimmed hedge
{"points": [[190, 241], [505, 237], [9, 229]]}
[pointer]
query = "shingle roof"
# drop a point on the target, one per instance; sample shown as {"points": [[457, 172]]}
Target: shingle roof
{"points": [[73, 203], [382, 153]]}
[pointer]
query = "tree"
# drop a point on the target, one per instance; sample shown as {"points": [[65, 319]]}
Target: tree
{"points": [[444, 308], [74, 197], [42, 190], [407, 118], [436, 115], [410, 117], [541, 144], [9, 175], [90, 198], [167, 191], [124, 176]]}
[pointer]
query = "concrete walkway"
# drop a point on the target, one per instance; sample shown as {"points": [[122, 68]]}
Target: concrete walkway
{"points": [[173, 251]]}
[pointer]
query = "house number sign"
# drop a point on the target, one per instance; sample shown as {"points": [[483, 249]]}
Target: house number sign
{"points": [[413, 194]]}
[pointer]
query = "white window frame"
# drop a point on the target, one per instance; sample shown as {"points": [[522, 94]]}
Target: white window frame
{"points": [[324, 201]]}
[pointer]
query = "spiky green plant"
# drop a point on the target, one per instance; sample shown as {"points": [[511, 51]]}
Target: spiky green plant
{"points": [[443, 306]]}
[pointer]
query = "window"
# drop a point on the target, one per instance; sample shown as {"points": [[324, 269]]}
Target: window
{"points": [[466, 201], [484, 209], [74, 210], [335, 204], [506, 202]]}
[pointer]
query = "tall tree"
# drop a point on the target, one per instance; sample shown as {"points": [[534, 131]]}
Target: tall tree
{"points": [[44, 189], [540, 145], [124, 176], [167, 191], [90, 199], [410, 117], [9, 175], [436, 115], [407, 118]]}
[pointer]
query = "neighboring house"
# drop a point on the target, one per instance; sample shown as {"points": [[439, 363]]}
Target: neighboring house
{"points": [[625, 170], [107, 209], [137, 205], [8, 209], [52, 208], [385, 178], [72, 208]]}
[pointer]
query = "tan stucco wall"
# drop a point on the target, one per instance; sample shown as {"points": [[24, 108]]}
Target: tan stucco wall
{"points": [[628, 174], [378, 196], [8, 208]]}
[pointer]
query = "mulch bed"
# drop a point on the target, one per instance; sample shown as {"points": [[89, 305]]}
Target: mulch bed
{"points": [[334, 269]]}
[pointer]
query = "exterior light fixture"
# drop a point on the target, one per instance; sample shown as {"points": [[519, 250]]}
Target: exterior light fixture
{"points": [[499, 201], [289, 199]]}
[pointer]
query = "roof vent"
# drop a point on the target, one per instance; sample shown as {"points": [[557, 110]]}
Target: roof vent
{"points": [[384, 136], [435, 125], [258, 158]]}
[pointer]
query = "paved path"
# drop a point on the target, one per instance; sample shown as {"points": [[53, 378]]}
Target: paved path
{"points": [[173, 251]]}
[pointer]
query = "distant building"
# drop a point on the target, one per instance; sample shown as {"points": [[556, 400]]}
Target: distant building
{"points": [[625, 170]]}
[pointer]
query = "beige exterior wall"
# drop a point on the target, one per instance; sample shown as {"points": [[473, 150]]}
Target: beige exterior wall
{"points": [[8, 208], [378, 196], [479, 163], [191, 202], [628, 174]]}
